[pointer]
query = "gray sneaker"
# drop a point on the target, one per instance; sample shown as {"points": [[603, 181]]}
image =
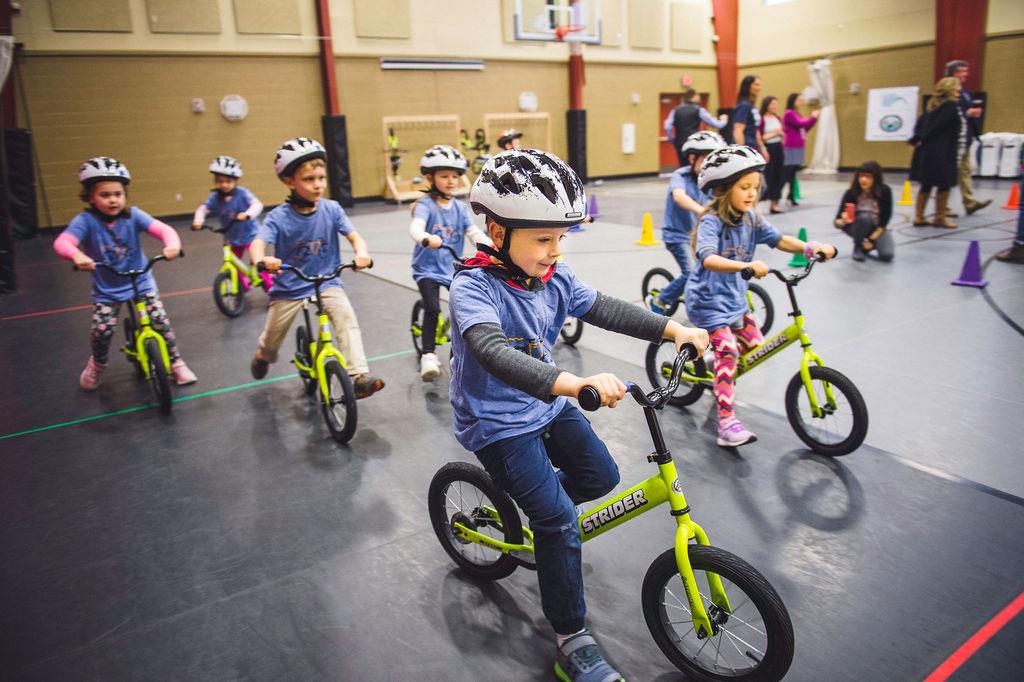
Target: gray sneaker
{"points": [[579, 660]]}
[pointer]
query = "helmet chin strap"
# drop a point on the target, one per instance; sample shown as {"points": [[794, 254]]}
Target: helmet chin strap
{"points": [[299, 202], [508, 268], [435, 192]]}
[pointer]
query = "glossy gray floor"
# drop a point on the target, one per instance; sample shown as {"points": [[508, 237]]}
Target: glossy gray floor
{"points": [[235, 540]]}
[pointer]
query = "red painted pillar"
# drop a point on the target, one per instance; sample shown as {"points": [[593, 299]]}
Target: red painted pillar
{"points": [[960, 34], [330, 85], [726, 23], [577, 79]]}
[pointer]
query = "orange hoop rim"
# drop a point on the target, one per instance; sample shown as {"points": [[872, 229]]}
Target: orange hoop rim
{"points": [[565, 29]]}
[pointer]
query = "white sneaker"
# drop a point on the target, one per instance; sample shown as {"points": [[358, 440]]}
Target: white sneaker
{"points": [[430, 368]]}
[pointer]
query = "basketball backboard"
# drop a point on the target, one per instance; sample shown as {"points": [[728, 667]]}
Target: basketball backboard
{"points": [[558, 20]]}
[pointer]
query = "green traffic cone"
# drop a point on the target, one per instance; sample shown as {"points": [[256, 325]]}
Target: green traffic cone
{"points": [[796, 190], [799, 260]]}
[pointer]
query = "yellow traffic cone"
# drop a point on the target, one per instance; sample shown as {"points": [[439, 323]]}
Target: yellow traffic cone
{"points": [[647, 232], [906, 199]]}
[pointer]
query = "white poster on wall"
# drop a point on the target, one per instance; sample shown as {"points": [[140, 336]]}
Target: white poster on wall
{"points": [[892, 113]]}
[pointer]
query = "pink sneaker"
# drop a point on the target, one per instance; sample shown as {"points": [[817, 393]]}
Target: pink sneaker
{"points": [[732, 433], [182, 374], [89, 379]]}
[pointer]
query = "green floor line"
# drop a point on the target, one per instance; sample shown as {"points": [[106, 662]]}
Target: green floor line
{"points": [[204, 394]]}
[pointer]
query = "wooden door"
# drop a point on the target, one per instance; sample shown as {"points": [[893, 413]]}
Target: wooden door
{"points": [[667, 159]]}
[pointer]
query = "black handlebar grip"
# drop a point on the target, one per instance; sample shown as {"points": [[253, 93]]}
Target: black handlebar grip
{"points": [[690, 349], [260, 267], [589, 399], [747, 273]]}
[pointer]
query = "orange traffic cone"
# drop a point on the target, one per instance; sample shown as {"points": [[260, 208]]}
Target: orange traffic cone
{"points": [[647, 232], [1013, 203]]}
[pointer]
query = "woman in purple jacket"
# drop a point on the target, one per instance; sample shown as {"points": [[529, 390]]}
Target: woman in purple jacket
{"points": [[794, 142]]}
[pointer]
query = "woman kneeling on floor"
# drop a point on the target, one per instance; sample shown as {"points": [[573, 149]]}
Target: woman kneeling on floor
{"points": [[865, 211]]}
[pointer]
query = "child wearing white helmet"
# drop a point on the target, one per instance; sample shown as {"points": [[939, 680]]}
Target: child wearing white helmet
{"points": [[236, 209], [509, 139], [723, 245], [508, 304], [304, 232], [439, 222], [108, 232], [685, 201]]}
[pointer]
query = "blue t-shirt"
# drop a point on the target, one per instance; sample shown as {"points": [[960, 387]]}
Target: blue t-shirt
{"points": [[717, 299], [750, 117], [486, 409], [678, 221], [308, 242], [240, 233], [450, 224], [118, 246]]}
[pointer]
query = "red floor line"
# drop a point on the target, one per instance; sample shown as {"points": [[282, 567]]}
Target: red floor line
{"points": [[977, 640], [170, 294]]}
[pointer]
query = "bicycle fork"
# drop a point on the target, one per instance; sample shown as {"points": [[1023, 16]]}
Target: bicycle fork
{"points": [[142, 334]]}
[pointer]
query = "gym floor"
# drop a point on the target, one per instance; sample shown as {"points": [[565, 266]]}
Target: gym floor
{"points": [[236, 540]]}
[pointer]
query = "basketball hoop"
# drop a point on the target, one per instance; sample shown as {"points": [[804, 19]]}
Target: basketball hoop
{"points": [[562, 31]]}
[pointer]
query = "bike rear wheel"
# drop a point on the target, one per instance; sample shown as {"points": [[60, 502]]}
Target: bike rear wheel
{"points": [[230, 300], [753, 642], [129, 343], [339, 408], [761, 307], [844, 424], [464, 493], [655, 280], [571, 330], [302, 354], [658, 363], [416, 327], [158, 376]]}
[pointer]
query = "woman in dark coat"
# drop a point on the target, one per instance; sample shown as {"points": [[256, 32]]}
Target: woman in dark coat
{"points": [[939, 140]]}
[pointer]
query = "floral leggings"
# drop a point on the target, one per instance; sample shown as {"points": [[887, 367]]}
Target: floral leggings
{"points": [[104, 322], [726, 347]]}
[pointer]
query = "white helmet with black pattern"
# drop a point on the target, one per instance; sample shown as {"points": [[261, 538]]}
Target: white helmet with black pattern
{"points": [[226, 165], [295, 152], [702, 142], [724, 165], [103, 168], [443, 157], [529, 188]]}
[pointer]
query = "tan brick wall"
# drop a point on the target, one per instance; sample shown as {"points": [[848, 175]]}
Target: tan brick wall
{"points": [[1004, 82]]}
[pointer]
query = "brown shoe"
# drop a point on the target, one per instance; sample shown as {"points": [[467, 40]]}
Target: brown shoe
{"points": [[259, 368], [1014, 254], [977, 206], [941, 216], [366, 385]]}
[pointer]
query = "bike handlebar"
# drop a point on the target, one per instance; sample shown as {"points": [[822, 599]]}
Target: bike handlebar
{"points": [[748, 272], [590, 399], [315, 278], [133, 273]]}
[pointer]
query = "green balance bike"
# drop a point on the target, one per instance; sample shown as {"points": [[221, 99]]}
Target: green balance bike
{"points": [[144, 347], [825, 409], [321, 365], [758, 301], [442, 336], [233, 280], [711, 613]]}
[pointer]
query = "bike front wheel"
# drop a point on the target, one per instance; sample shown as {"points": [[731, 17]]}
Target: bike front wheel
{"points": [[658, 363], [753, 641], [571, 330], [761, 307], [843, 424], [463, 493], [302, 355], [229, 299], [158, 377], [416, 327], [654, 282], [339, 405]]}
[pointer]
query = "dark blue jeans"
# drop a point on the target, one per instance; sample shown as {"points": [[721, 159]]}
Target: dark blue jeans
{"points": [[522, 467], [681, 252]]}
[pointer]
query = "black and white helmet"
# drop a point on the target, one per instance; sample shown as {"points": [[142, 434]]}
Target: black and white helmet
{"points": [[226, 165], [295, 152], [103, 168], [724, 165], [443, 157], [702, 142], [529, 188]]}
